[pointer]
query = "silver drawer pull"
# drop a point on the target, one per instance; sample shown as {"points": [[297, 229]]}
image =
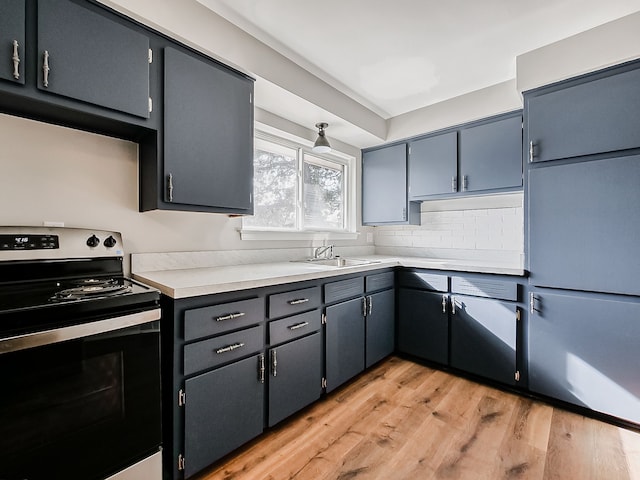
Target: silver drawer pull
{"points": [[230, 316], [45, 69], [16, 60], [298, 325], [298, 301], [230, 348]]}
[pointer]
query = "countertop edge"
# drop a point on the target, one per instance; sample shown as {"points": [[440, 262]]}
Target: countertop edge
{"points": [[178, 292]]}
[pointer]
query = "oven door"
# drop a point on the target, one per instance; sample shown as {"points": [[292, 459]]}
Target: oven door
{"points": [[81, 402]]}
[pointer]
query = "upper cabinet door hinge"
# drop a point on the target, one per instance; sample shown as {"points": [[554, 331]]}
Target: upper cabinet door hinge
{"points": [[324, 319], [182, 398], [150, 56]]}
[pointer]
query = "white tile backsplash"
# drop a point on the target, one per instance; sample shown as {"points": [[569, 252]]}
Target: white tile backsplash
{"points": [[496, 232]]}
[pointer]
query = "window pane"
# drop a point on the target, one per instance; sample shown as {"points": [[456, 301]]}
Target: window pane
{"points": [[323, 194], [274, 188]]}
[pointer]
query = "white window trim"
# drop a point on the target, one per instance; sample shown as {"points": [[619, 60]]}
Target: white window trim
{"points": [[349, 233]]}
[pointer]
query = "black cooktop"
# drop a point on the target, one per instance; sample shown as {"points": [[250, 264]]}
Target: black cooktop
{"points": [[44, 295]]}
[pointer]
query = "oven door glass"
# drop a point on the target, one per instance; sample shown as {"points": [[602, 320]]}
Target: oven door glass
{"points": [[81, 409]]}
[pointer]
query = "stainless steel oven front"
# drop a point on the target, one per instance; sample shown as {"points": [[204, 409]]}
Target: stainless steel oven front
{"points": [[82, 401]]}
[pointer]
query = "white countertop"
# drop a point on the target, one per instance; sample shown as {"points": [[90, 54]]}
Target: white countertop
{"points": [[190, 282]]}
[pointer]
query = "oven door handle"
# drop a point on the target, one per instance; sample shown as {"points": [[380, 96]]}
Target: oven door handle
{"points": [[57, 335]]}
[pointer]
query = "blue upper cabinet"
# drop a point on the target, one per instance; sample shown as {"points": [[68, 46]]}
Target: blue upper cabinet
{"points": [[384, 187], [86, 56], [433, 165], [12, 40], [484, 156], [490, 155], [588, 115]]}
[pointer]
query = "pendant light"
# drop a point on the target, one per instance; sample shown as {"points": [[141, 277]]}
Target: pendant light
{"points": [[322, 144]]}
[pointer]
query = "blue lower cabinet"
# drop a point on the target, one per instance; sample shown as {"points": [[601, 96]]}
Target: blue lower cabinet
{"points": [[295, 376], [224, 410], [585, 349], [345, 341], [483, 337], [423, 324], [380, 326]]}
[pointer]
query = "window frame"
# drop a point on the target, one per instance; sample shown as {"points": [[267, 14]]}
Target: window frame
{"points": [[348, 163]]}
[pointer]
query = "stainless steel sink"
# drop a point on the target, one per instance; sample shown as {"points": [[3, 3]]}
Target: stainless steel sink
{"points": [[339, 261]]}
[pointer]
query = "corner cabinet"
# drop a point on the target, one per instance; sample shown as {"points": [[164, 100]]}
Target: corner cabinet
{"points": [[384, 187], [12, 40], [208, 136]]}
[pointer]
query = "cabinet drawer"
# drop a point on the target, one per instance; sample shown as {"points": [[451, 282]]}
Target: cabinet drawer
{"points": [[336, 291], [294, 327], [207, 321], [215, 351], [378, 281], [295, 301], [485, 287], [424, 281]]}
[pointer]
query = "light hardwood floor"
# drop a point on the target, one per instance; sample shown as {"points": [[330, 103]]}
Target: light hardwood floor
{"points": [[401, 420]]}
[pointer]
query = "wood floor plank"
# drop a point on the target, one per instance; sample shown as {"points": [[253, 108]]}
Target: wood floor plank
{"points": [[404, 421]]}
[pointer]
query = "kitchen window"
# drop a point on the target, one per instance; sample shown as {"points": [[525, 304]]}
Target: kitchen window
{"points": [[298, 193]]}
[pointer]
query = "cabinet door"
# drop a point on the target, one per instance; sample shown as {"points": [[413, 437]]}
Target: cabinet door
{"points": [[384, 185], [224, 409], [12, 38], [423, 325], [344, 349], [295, 376], [598, 115], [583, 228], [491, 155], [433, 165], [92, 58], [380, 326], [583, 349], [483, 337], [208, 134]]}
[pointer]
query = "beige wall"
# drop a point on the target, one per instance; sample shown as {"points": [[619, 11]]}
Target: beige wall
{"points": [[56, 174]]}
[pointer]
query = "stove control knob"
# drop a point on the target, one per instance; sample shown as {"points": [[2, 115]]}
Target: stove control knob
{"points": [[93, 241], [110, 242]]}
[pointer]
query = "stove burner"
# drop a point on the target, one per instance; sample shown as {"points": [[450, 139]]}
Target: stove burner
{"points": [[92, 287]]}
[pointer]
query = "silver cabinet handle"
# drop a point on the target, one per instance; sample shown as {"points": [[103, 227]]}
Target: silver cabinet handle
{"points": [[16, 60], [532, 303], [298, 325], [531, 151], [274, 363], [230, 316], [453, 305], [454, 184], [170, 186], [261, 368], [298, 301], [229, 348], [45, 69], [444, 304], [370, 304], [465, 183]]}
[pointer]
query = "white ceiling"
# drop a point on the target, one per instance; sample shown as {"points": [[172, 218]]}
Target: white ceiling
{"points": [[397, 56]]}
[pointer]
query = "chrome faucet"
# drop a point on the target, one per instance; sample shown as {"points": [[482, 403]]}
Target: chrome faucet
{"points": [[326, 251]]}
